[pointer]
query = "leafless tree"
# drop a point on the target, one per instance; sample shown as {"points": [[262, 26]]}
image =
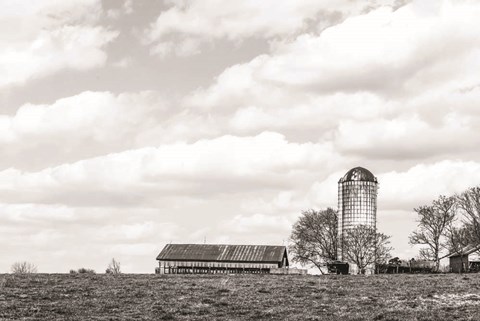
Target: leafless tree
{"points": [[469, 203], [23, 268], [458, 239], [314, 238], [113, 267], [432, 230], [364, 246]]}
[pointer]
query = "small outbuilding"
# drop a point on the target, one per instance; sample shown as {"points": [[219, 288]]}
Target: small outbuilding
{"points": [[462, 262], [219, 258]]}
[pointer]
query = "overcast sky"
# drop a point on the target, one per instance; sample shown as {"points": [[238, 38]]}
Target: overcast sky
{"points": [[126, 125]]}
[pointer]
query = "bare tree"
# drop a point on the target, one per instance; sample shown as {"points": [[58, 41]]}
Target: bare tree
{"points": [[23, 268], [433, 224], [314, 238], [458, 239], [364, 246], [469, 203], [113, 267]]}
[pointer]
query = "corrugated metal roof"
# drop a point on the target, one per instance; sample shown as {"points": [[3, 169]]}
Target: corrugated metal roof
{"points": [[222, 253]]}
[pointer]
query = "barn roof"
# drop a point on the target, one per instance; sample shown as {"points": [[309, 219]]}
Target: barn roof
{"points": [[223, 253]]}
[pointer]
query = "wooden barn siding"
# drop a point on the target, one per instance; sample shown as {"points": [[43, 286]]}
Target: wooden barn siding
{"points": [[458, 263]]}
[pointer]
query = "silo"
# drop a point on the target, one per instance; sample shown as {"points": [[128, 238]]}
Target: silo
{"points": [[357, 202]]}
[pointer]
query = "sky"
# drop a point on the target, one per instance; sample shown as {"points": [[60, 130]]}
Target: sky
{"points": [[126, 125]]}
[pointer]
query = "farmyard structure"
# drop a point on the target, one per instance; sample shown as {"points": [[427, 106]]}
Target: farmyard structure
{"points": [[222, 258], [357, 203]]}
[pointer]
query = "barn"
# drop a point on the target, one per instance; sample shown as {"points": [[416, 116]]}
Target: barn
{"points": [[220, 258]]}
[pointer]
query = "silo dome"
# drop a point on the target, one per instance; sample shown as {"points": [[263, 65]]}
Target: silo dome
{"points": [[358, 174]]}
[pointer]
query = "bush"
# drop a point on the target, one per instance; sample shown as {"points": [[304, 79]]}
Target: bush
{"points": [[82, 271], [23, 268], [113, 267]]}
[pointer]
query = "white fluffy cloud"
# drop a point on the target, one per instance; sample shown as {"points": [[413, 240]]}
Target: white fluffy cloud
{"points": [[393, 138], [81, 126], [67, 236], [198, 22], [131, 203], [383, 50], [207, 167], [404, 190], [379, 50], [39, 38], [371, 84], [393, 88]]}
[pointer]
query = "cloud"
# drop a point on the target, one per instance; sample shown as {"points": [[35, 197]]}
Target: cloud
{"points": [[76, 127], [125, 9], [370, 85], [192, 24], [378, 51], [393, 88], [393, 138], [423, 183], [123, 63], [222, 165], [50, 36], [403, 190], [67, 236], [259, 223]]}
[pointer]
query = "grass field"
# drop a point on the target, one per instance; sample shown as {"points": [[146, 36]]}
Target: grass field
{"points": [[239, 297]]}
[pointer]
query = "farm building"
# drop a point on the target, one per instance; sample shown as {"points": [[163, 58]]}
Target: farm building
{"points": [[215, 258], [357, 205], [464, 261]]}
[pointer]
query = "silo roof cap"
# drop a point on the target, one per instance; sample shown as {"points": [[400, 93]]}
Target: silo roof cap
{"points": [[358, 174]]}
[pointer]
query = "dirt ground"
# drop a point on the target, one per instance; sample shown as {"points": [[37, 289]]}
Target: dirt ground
{"points": [[239, 297]]}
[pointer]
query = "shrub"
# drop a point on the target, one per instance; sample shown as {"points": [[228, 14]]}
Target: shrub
{"points": [[83, 270], [23, 268], [113, 267]]}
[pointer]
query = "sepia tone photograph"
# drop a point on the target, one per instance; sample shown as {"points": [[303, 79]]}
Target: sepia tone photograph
{"points": [[240, 160]]}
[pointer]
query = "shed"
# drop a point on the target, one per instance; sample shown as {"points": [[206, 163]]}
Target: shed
{"points": [[459, 261], [220, 258]]}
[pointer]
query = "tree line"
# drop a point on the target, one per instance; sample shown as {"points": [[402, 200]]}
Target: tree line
{"points": [[449, 223], [25, 267], [314, 241]]}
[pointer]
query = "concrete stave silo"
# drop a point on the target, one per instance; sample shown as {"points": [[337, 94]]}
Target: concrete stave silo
{"points": [[357, 202]]}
